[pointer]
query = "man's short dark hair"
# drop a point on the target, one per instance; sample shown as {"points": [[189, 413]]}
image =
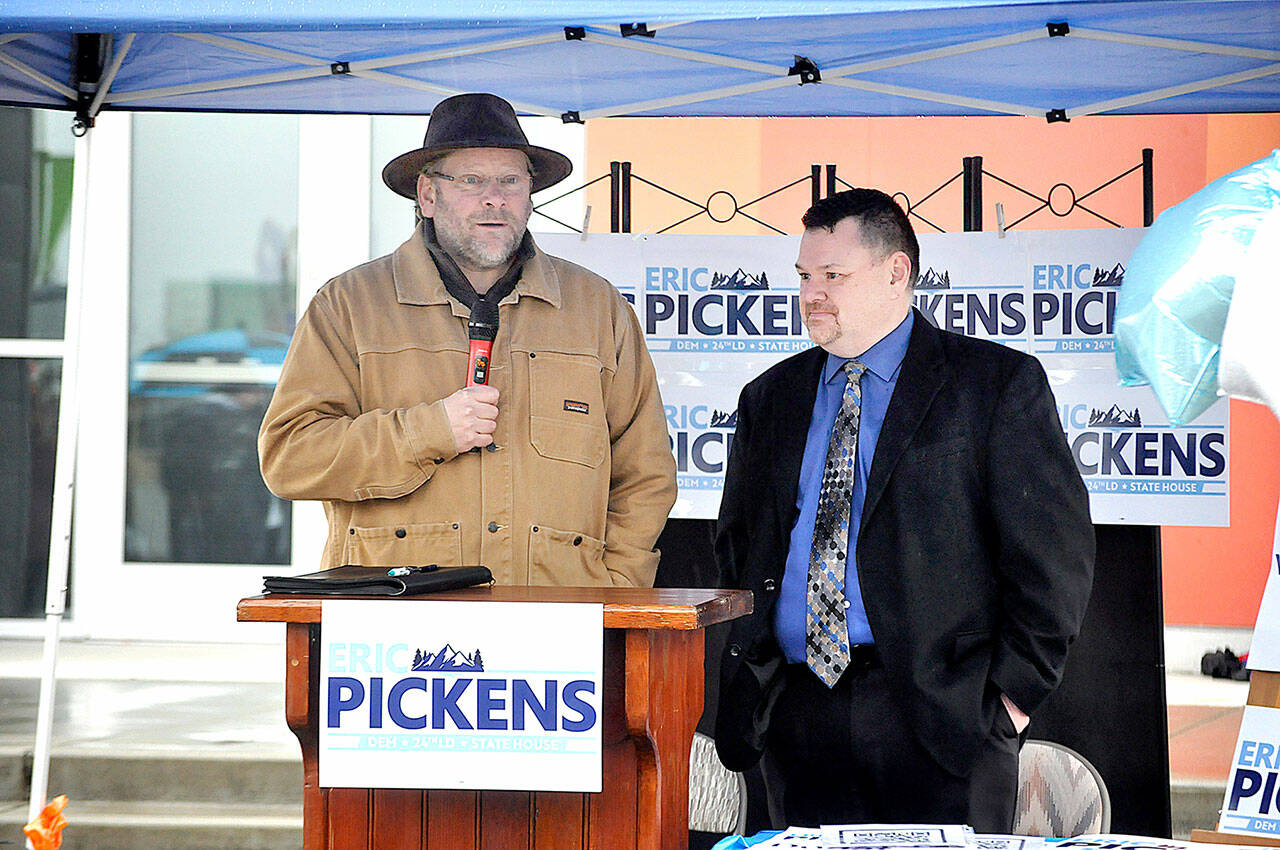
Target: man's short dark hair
{"points": [[882, 223]]}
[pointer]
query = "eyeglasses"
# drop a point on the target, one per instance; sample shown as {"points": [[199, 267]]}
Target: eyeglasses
{"points": [[475, 184]]}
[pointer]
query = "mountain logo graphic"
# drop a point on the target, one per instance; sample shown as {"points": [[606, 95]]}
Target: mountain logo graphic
{"points": [[740, 279], [720, 419], [1115, 277], [447, 660], [933, 279], [1115, 417]]}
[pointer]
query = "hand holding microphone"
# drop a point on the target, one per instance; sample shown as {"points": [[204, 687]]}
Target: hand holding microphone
{"points": [[473, 415], [473, 410]]}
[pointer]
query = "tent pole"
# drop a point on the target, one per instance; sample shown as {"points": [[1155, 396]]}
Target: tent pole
{"points": [[1148, 184], [624, 196], [966, 201], [615, 197], [972, 200], [63, 481], [976, 192]]}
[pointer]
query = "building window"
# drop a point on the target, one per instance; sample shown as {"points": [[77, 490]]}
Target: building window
{"points": [[29, 433], [36, 149], [36, 156]]}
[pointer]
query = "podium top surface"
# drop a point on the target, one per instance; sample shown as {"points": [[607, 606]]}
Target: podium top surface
{"points": [[624, 607]]}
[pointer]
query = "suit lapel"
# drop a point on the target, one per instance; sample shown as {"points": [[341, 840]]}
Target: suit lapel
{"points": [[794, 397], [924, 371]]}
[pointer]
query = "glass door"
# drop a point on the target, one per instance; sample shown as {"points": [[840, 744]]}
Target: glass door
{"points": [[212, 291]]}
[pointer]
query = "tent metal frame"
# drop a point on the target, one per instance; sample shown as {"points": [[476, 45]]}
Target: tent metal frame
{"points": [[773, 76]]}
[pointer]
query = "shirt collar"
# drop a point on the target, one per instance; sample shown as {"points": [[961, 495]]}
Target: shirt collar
{"points": [[883, 359]]}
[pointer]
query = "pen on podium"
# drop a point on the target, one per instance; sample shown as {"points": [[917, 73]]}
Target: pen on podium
{"points": [[404, 571]]}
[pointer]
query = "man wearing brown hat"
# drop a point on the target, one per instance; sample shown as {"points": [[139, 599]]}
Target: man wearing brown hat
{"points": [[558, 470]]}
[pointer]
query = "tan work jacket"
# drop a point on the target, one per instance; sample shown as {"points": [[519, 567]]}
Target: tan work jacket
{"points": [[575, 489]]}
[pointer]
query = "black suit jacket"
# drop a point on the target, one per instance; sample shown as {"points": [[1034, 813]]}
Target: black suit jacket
{"points": [[975, 553]]}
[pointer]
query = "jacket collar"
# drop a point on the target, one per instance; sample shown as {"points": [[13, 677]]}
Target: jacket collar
{"points": [[418, 282]]}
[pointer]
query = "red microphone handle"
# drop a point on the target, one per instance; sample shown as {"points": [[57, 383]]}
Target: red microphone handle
{"points": [[478, 362]]}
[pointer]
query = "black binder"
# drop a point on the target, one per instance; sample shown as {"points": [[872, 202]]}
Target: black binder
{"points": [[374, 581]]}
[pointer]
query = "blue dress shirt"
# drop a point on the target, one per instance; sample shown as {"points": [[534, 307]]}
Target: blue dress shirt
{"points": [[883, 361]]}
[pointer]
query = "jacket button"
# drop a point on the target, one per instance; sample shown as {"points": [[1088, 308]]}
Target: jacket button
{"points": [[455, 525], [400, 532], [532, 355], [735, 650], [351, 531], [577, 541], [438, 460], [493, 527], [492, 447], [770, 584]]}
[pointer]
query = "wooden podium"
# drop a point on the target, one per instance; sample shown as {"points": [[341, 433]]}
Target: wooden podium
{"points": [[653, 682]]}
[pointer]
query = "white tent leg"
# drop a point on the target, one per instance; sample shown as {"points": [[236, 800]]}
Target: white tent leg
{"points": [[44, 717], [63, 482]]}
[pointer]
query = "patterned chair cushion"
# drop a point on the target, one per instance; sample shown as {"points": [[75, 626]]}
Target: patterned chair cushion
{"points": [[1059, 793], [717, 795]]}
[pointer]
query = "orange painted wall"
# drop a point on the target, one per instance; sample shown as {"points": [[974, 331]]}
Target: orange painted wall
{"points": [[1212, 576]]}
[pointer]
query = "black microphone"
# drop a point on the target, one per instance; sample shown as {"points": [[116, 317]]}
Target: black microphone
{"points": [[482, 327]]}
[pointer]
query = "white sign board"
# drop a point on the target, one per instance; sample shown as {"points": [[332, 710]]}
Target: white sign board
{"points": [[477, 695], [1139, 468], [718, 310], [1264, 653], [1250, 805]]}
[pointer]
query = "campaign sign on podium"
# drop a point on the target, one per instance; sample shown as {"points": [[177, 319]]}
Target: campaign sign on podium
{"points": [[1250, 806], [473, 695]]}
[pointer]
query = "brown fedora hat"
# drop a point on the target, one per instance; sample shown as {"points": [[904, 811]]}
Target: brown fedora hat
{"points": [[473, 121]]}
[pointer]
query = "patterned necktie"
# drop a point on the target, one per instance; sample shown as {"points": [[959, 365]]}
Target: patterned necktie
{"points": [[826, 631]]}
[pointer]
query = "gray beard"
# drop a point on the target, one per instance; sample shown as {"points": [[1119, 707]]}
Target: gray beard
{"points": [[472, 252]]}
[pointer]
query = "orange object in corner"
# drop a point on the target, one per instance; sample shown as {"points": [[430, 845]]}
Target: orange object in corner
{"points": [[45, 831]]}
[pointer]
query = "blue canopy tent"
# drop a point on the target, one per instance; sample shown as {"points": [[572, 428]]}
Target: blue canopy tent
{"points": [[584, 59], [580, 60]]}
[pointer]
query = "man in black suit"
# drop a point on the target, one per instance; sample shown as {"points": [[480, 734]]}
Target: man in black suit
{"points": [[903, 504]]}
